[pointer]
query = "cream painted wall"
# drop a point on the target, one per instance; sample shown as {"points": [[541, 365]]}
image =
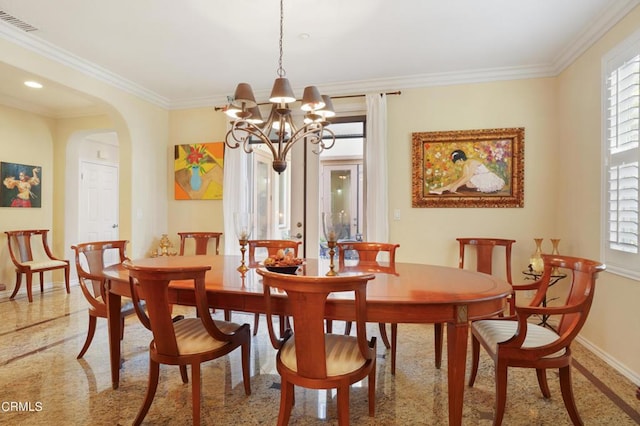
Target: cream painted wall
{"points": [[142, 132], [26, 139], [613, 327], [190, 127], [427, 235]]}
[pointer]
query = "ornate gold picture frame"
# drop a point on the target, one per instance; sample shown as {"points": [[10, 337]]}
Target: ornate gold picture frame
{"points": [[468, 168]]}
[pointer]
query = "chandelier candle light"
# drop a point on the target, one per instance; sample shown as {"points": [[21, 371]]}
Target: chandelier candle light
{"points": [[248, 121]]}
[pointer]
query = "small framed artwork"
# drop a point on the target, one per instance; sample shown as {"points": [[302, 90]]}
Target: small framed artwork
{"points": [[21, 185], [198, 171], [468, 168]]}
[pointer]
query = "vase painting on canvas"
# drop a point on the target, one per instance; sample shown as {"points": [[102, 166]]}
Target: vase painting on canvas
{"points": [[198, 170]]}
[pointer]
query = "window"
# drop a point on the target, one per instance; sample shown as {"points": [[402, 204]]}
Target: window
{"points": [[621, 155], [342, 173]]}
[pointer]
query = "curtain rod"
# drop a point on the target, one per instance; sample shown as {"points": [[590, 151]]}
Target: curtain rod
{"points": [[398, 92]]}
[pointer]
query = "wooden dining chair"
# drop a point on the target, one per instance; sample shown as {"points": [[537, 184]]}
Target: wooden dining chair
{"points": [[271, 247], [30, 253], [309, 357], [368, 256], [515, 342], [188, 341], [90, 259], [201, 240], [484, 248]]}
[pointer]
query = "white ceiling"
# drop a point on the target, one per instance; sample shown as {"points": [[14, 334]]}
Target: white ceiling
{"points": [[189, 53]]}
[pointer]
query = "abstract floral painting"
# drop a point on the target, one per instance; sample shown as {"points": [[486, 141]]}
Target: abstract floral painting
{"points": [[198, 170]]}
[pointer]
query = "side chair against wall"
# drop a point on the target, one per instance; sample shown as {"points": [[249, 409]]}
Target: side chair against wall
{"points": [[367, 253], [309, 357], [272, 247], [188, 341], [201, 241], [484, 263], [515, 342], [90, 259], [30, 255]]}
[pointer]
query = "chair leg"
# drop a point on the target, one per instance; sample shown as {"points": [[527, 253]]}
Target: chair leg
{"points": [[246, 358], [89, 339], [256, 321], [29, 284], [343, 405], [154, 373], [383, 334], [501, 392], [542, 382], [329, 325], [195, 392], [41, 282], [66, 279], [394, 345], [227, 315], [567, 395], [437, 334], [347, 328], [183, 374], [475, 360], [17, 287], [372, 392], [286, 403]]}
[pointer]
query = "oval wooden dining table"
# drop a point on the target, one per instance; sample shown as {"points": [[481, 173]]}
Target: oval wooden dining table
{"points": [[415, 293]]}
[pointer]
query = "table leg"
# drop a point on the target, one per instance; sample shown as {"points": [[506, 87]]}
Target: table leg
{"points": [[457, 336], [113, 320]]}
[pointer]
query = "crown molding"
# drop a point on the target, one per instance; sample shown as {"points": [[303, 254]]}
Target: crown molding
{"points": [[64, 57], [584, 41]]}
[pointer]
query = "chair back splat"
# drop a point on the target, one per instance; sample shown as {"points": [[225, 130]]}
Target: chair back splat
{"points": [[272, 247], [309, 357], [201, 240]]}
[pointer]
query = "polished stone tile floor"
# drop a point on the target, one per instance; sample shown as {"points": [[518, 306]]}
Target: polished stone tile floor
{"points": [[42, 382]]}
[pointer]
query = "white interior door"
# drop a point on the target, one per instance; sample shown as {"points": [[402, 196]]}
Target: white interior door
{"points": [[98, 202]]}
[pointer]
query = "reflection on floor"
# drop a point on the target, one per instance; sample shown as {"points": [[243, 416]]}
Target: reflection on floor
{"points": [[38, 369]]}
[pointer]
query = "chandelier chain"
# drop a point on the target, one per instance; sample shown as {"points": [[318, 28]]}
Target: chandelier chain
{"points": [[281, 71]]}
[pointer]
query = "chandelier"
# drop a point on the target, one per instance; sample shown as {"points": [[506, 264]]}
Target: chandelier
{"points": [[279, 133]]}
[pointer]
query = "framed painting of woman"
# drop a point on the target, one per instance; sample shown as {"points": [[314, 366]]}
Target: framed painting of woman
{"points": [[468, 168]]}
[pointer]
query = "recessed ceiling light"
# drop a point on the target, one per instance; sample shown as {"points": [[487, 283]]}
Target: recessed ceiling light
{"points": [[304, 36], [33, 84]]}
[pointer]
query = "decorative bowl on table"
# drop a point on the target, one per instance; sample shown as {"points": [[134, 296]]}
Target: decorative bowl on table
{"points": [[291, 270], [282, 263]]}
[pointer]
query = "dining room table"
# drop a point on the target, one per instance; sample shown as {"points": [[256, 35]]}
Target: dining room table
{"points": [[414, 293]]}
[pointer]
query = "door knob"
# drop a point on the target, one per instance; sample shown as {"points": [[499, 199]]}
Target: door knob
{"points": [[114, 226], [298, 235]]}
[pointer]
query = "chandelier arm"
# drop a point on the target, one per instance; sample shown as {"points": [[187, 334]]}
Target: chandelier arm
{"points": [[321, 142], [237, 129]]}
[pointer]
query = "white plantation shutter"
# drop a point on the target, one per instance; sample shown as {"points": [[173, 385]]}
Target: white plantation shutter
{"points": [[621, 157]]}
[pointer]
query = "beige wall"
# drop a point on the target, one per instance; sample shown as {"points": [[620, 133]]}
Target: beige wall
{"points": [[191, 127], [26, 139], [613, 328]]}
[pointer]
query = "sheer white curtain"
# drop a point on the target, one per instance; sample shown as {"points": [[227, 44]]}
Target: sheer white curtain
{"points": [[377, 214], [236, 194]]}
